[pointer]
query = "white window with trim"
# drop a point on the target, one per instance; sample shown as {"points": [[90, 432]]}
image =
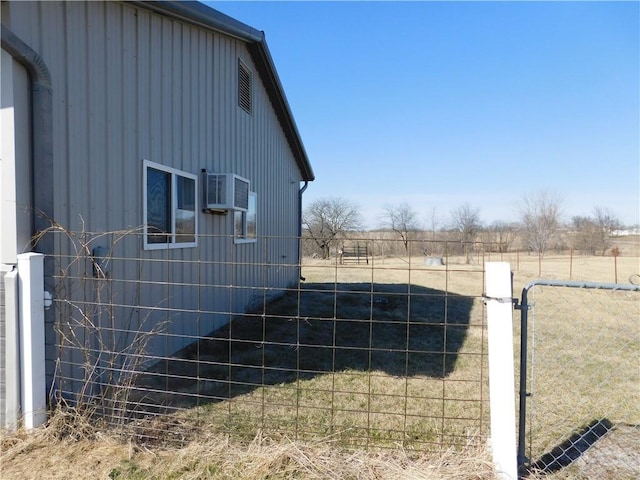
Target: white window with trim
{"points": [[246, 223], [170, 206]]}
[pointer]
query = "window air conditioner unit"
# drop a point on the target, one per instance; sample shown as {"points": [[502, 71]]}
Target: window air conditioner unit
{"points": [[225, 191]]}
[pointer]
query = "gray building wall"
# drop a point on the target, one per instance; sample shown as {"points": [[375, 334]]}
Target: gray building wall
{"points": [[130, 84]]}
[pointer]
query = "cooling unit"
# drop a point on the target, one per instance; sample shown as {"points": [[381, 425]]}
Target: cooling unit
{"points": [[225, 191]]}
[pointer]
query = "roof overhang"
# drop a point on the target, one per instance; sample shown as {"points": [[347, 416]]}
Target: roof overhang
{"points": [[199, 14]]}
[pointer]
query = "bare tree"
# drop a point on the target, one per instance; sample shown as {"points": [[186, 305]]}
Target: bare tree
{"points": [[329, 218], [466, 225], [502, 235], [433, 223], [607, 223], [540, 216], [402, 219], [592, 234], [584, 235]]}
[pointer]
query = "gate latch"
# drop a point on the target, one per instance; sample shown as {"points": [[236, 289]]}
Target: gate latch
{"points": [[48, 300]]}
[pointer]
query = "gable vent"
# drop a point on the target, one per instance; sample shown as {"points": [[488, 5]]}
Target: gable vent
{"points": [[244, 87]]}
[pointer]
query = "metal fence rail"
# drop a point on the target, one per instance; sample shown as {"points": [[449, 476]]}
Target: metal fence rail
{"points": [[382, 354], [579, 383]]}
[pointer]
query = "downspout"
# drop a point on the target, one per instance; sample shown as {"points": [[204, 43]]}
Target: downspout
{"points": [[42, 167], [300, 192]]}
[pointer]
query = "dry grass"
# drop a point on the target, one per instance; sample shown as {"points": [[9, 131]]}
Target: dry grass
{"points": [[71, 447]]}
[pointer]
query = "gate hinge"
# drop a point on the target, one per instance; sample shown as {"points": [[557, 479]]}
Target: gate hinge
{"points": [[520, 306]]}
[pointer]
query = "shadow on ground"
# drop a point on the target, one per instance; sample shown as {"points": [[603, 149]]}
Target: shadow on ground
{"points": [[403, 330], [572, 448]]}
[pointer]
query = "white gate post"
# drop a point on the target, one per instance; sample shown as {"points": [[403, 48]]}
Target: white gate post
{"points": [[32, 359], [501, 371], [12, 351]]}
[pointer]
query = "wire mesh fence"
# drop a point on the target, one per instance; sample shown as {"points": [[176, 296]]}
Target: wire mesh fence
{"points": [[382, 353], [372, 343], [583, 408]]}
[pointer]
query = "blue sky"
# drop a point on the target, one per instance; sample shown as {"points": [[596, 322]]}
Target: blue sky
{"points": [[439, 104]]}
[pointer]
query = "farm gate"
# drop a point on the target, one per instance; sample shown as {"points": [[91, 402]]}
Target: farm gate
{"points": [[579, 379]]}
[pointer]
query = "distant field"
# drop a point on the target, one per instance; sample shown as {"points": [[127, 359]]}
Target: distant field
{"points": [[466, 279], [589, 268], [629, 245]]}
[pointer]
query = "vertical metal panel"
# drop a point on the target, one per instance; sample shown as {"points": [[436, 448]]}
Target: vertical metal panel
{"points": [[56, 50], [96, 104], [130, 125], [114, 58], [75, 98]]}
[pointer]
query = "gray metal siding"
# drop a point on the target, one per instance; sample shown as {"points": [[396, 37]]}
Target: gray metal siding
{"points": [[129, 84]]}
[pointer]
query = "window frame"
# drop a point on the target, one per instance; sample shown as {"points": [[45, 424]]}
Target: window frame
{"points": [[243, 216], [172, 235]]}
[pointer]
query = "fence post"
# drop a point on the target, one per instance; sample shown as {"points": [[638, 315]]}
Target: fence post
{"points": [[499, 302], [32, 358], [12, 351]]}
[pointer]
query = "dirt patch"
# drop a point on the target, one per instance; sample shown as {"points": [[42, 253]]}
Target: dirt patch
{"points": [[615, 456], [602, 450]]}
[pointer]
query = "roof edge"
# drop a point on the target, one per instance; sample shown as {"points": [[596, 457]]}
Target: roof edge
{"points": [[261, 55], [204, 16]]}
